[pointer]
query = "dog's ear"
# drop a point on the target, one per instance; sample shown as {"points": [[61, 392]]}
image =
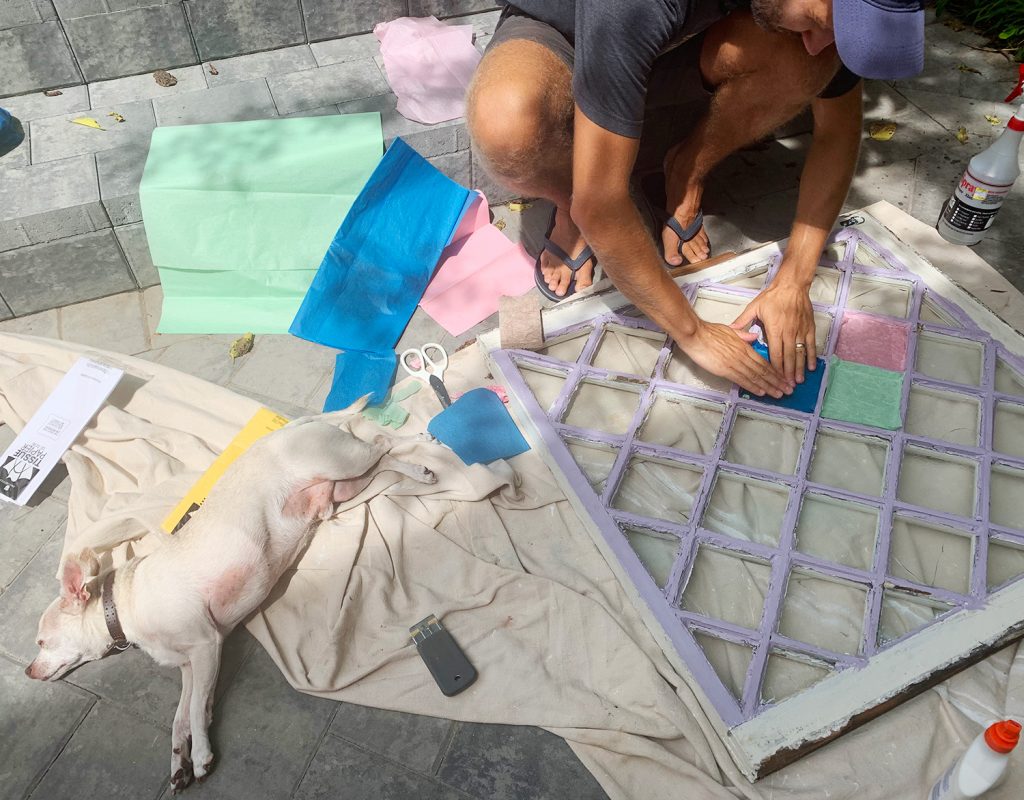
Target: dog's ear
{"points": [[78, 570]]}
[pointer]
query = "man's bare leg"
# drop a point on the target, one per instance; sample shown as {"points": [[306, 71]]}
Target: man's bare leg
{"points": [[520, 114], [762, 80]]}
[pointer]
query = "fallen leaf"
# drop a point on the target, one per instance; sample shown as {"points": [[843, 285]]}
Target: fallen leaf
{"points": [[955, 25], [241, 345], [966, 68], [88, 122], [961, 135], [214, 70], [500, 224], [992, 120], [164, 78], [53, 93], [518, 205], [117, 117], [882, 131]]}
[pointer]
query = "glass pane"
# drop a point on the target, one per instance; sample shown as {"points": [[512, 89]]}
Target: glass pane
{"points": [[718, 307], [682, 423], [1008, 380], [656, 551], [763, 442], [1008, 431], [837, 531], [602, 408], [727, 587], [825, 285], [545, 386], [932, 313], [943, 415], [658, 489], [846, 461], [823, 612], [1005, 562], [728, 659], [931, 554], [869, 258], [835, 251], [568, 347], [948, 358], [785, 677], [594, 460], [905, 613], [937, 481], [629, 351], [754, 279], [1006, 497], [889, 298], [681, 369], [746, 508]]}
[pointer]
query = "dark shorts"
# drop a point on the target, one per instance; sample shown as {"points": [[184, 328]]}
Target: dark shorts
{"points": [[677, 96]]}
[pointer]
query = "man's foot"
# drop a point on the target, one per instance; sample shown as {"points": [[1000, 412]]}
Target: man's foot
{"points": [[566, 235], [683, 202]]}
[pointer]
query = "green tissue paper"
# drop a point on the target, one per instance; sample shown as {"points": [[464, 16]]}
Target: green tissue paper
{"points": [[863, 394]]}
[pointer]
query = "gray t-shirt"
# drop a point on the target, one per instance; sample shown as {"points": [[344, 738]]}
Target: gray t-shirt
{"points": [[616, 43]]}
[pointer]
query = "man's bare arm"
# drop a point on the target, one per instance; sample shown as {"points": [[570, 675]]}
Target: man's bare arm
{"points": [[609, 221]]}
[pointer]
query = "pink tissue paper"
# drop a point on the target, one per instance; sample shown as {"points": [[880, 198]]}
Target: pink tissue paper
{"points": [[479, 266], [429, 66], [873, 341]]}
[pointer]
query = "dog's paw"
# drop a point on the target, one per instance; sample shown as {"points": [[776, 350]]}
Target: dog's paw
{"points": [[202, 763], [181, 773]]}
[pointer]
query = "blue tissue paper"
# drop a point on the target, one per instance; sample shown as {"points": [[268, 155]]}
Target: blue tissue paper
{"points": [[478, 428], [356, 373], [805, 395]]}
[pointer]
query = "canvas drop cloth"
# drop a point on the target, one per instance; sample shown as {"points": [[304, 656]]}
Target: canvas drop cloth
{"points": [[510, 571]]}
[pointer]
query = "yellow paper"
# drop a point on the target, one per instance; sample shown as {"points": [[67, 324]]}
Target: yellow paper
{"points": [[263, 422], [88, 122]]}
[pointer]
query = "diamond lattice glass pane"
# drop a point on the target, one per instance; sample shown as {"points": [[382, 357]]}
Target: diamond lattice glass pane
{"points": [[658, 489], [568, 347], [933, 314], [837, 530], [949, 358], [656, 551], [1008, 380], [825, 285], [746, 508], [545, 385], [835, 251], [889, 298], [822, 330], [594, 460], [1005, 562], [1006, 497], [823, 612], [785, 677], [712, 306], [938, 414], [930, 554], [603, 408], [754, 279], [849, 462], [869, 258], [682, 370], [764, 442], [727, 586], [728, 659], [904, 613], [682, 423], [938, 481], [629, 351], [1008, 429]]}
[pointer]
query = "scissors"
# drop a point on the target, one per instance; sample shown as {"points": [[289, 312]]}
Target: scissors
{"points": [[430, 368]]}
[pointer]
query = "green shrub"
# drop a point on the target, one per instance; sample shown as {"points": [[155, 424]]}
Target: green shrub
{"points": [[1002, 20]]}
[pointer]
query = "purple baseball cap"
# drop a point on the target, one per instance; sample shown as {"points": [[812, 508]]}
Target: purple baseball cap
{"points": [[880, 38]]}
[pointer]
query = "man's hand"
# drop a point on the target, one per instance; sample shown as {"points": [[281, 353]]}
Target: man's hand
{"points": [[785, 312], [726, 352]]}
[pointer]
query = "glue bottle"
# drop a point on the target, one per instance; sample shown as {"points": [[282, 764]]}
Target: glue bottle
{"points": [[970, 211], [981, 767]]}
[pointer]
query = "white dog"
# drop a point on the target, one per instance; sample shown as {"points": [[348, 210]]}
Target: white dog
{"points": [[181, 601]]}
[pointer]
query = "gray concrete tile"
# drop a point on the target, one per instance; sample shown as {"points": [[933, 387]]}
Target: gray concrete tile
{"points": [[136, 249], [5, 311], [427, 140], [122, 5], [24, 530], [1004, 256], [144, 87], [120, 173], [409, 739], [205, 357], [109, 323], [152, 305], [327, 85], [127, 42], [326, 111], [763, 169], [261, 65], [20, 156], [37, 105], [340, 770], [285, 409], [448, 8], [916, 133], [225, 28], [509, 762], [482, 180], [18, 12], [284, 367], [327, 19], [58, 137], [231, 103], [42, 324], [12, 236], [111, 755], [953, 112], [456, 166], [46, 187], [35, 57], [264, 733], [483, 22], [26, 598], [72, 9], [891, 182], [349, 48], [32, 740], [66, 271], [65, 222]]}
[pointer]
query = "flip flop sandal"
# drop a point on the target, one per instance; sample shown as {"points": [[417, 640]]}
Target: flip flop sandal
{"points": [[574, 264], [652, 188]]}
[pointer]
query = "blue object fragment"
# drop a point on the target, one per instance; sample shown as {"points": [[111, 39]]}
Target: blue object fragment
{"points": [[11, 132], [356, 373], [383, 255], [478, 428], [805, 395]]}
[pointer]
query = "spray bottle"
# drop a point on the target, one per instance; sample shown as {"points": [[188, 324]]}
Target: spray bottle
{"points": [[981, 767], [972, 208]]}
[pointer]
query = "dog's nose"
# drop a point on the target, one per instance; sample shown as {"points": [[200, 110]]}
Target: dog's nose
{"points": [[28, 671]]}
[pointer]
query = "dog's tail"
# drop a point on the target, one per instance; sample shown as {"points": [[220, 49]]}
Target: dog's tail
{"points": [[333, 417]]}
